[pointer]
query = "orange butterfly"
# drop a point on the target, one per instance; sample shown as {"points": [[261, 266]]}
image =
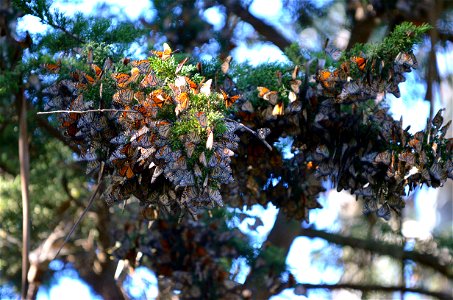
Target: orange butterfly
{"points": [[229, 100], [164, 55], [139, 96], [226, 64], [192, 85], [98, 71], [126, 171], [406, 59], [158, 98], [182, 101], [142, 65], [278, 109], [180, 65], [150, 80], [53, 68], [122, 79], [360, 61], [262, 91], [268, 95], [127, 150], [327, 78], [123, 97]]}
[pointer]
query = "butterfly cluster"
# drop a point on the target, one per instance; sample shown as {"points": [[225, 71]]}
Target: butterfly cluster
{"points": [[359, 78], [164, 138], [359, 147], [190, 256]]}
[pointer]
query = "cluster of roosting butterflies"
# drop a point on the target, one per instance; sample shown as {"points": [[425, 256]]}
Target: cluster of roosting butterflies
{"points": [[188, 257], [163, 127], [360, 148], [167, 141], [359, 78]]}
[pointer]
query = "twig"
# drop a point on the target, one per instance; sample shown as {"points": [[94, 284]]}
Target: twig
{"points": [[90, 202], [250, 131], [85, 111]]}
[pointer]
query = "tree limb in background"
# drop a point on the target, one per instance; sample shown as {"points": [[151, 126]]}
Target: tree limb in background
{"points": [[380, 248], [369, 288], [266, 30]]}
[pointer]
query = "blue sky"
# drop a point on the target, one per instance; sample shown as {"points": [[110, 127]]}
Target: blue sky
{"points": [[414, 112]]}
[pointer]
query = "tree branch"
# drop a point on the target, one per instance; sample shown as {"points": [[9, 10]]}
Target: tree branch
{"points": [[368, 288], [381, 248], [24, 159], [85, 111], [266, 30]]}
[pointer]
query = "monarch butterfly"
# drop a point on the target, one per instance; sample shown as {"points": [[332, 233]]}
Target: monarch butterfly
{"points": [[407, 157], [262, 91], [295, 85], [215, 196], [163, 128], [52, 67], [182, 101], [158, 98], [165, 54], [139, 133], [360, 62], [197, 171], [87, 79], [189, 146], [145, 153], [202, 119], [383, 157], [229, 100], [108, 63], [226, 64], [122, 79], [142, 65], [127, 150], [126, 171], [123, 97], [407, 60], [163, 152], [180, 163], [278, 109], [210, 140], [216, 159], [247, 106], [180, 65], [202, 159], [192, 85], [97, 71], [188, 194], [292, 96], [270, 96], [327, 79], [205, 88], [139, 96]]}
